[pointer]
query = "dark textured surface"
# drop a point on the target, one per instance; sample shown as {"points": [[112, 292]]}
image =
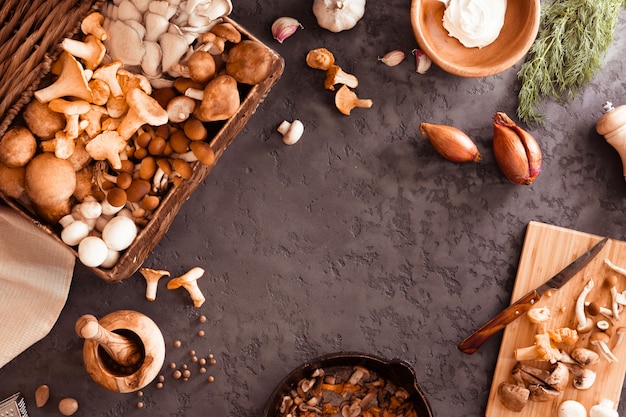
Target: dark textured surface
{"points": [[359, 237]]}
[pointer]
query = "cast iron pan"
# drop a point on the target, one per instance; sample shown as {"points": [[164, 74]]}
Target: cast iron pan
{"points": [[396, 371]]}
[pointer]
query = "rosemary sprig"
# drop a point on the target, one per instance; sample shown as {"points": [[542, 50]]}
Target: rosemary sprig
{"points": [[569, 50]]}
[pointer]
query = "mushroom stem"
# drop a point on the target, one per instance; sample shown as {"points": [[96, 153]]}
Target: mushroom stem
{"points": [[584, 323]]}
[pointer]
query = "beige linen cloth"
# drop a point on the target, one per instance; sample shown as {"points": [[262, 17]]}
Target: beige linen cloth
{"points": [[35, 276]]}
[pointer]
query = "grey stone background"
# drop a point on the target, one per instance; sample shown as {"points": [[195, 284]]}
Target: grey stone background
{"points": [[359, 237]]}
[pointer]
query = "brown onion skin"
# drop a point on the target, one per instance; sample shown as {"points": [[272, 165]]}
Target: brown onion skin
{"points": [[451, 143], [517, 152]]}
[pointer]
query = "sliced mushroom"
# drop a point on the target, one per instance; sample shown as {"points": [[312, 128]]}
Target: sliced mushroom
{"points": [[513, 396]]}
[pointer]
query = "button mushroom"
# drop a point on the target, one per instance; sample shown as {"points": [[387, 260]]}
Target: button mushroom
{"points": [[571, 408], [189, 282], [17, 147], [50, 183], [513, 396]]}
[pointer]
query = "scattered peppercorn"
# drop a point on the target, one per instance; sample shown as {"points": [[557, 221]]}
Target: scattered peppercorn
{"points": [[159, 385], [186, 373], [194, 359], [202, 361], [211, 378], [172, 365], [177, 343], [212, 361], [192, 352], [140, 404], [202, 319], [201, 333], [177, 374], [203, 370]]}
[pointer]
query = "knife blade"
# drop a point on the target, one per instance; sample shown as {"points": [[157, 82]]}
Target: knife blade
{"points": [[475, 340]]}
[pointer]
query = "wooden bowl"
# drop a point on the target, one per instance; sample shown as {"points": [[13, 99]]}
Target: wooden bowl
{"points": [[521, 24]]}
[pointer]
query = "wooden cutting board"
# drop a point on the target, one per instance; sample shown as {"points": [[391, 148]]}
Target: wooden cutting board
{"points": [[547, 249]]}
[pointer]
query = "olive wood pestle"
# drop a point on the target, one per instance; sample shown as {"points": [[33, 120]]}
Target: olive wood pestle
{"points": [[122, 350]]}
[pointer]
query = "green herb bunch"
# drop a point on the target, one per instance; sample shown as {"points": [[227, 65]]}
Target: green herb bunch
{"points": [[573, 39]]}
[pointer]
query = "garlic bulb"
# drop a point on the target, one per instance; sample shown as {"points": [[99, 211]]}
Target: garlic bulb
{"points": [[338, 15], [451, 143], [516, 151]]}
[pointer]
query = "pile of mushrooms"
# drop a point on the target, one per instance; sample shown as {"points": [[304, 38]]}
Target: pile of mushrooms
{"points": [[102, 146], [565, 357], [346, 392]]}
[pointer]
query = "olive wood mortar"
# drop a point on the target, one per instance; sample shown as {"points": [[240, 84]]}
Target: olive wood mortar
{"points": [[123, 351]]}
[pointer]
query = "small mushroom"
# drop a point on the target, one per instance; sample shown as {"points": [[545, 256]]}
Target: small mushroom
{"points": [[604, 408], [621, 333], [227, 31], [611, 283], [92, 251], [72, 110], [92, 25], [292, 132], [583, 377], [17, 147], [42, 121], [320, 58], [359, 373], [585, 356], [601, 340], [152, 277], [119, 233], [142, 109], [189, 282], [91, 50], [107, 146], [180, 108], [335, 75], [108, 74], [346, 100]]}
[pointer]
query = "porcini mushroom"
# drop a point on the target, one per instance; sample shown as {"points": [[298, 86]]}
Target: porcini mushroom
{"points": [[201, 66], [189, 282], [346, 100], [152, 277], [220, 99], [249, 62], [142, 109], [71, 82]]}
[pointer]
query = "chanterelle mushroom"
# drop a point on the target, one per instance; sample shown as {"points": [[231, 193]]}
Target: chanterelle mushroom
{"points": [[152, 277], [107, 146], [346, 100], [142, 109], [71, 82], [189, 282]]}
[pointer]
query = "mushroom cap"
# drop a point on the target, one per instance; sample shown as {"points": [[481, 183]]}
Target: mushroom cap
{"points": [[17, 147], [571, 408], [92, 251], [119, 233], [249, 62], [221, 99], [49, 180], [12, 181], [513, 397], [201, 66], [190, 277], [227, 31], [42, 121]]}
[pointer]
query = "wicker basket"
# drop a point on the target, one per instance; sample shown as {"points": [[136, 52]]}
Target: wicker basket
{"points": [[30, 42]]}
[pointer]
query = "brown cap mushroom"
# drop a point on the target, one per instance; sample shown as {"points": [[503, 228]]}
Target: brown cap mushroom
{"points": [[180, 108], [12, 181], [220, 99], [142, 109], [41, 121], [512, 396], [50, 183], [227, 31], [249, 62], [189, 282], [17, 147], [201, 66], [346, 100]]}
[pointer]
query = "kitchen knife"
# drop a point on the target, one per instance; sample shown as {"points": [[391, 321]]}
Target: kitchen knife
{"points": [[475, 340]]}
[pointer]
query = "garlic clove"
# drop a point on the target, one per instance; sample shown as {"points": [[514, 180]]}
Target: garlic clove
{"points": [[284, 27], [392, 58], [422, 61], [516, 151], [451, 143]]}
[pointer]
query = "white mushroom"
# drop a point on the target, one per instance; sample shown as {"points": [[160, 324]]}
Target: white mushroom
{"points": [[292, 132], [585, 324], [92, 251], [605, 408], [571, 408], [119, 233]]}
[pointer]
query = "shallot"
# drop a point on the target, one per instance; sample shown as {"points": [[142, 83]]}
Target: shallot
{"points": [[451, 143]]}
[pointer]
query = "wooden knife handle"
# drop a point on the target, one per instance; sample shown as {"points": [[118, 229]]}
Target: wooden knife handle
{"points": [[475, 340]]}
